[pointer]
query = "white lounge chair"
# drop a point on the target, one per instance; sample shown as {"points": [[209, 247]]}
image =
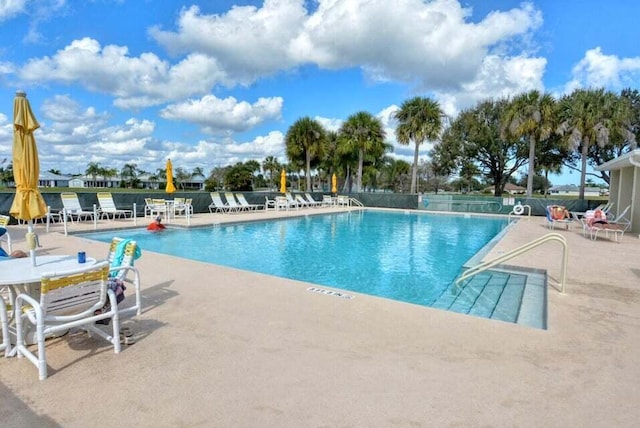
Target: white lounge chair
{"points": [[108, 208], [302, 202], [245, 204], [312, 202], [73, 209], [70, 299], [552, 222], [217, 205], [291, 201], [234, 206], [622, 220]]}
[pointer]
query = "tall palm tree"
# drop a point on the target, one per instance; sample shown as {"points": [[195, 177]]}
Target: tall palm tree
{"points": [[590, 116], [419, 119], [271, 165], [530, 115], [93, 169], [362, 133], [129, 171], [304, 141]]}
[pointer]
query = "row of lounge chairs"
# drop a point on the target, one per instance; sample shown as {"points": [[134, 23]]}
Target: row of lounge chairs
{"points": [[236, 202], [594, 223]]}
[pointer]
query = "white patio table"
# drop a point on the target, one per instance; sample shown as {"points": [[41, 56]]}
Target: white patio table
{"points": [[21, 276]]}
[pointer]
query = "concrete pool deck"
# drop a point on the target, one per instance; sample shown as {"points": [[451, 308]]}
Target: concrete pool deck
{"points": [[228, 348]]}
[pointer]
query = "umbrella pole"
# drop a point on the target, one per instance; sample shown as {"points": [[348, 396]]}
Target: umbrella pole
{"points": [[31, 242]]}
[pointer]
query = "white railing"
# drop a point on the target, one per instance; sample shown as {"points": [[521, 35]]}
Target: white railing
{"points": [[518, 210], [521, 250], [354, 201]]}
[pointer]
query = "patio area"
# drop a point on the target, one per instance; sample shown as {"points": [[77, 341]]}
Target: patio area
{"points": [[217, 346]]}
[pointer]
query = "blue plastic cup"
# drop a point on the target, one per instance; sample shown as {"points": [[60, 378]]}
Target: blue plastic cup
{"points": [[82, 257]]}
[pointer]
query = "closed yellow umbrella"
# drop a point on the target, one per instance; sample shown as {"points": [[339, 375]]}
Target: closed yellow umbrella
{"points": [[170, 187], [283, 182], [28, 203], [334, 183]]}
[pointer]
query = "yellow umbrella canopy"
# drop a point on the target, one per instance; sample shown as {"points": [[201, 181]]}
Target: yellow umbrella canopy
{"points": [[28, 203], [334, 183], [283, 182], [170, 187]]}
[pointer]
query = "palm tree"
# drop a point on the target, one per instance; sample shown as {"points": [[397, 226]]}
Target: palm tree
{"points": [[129, 171], [270, 164], [304, 142], [419, 119], [530, 115], [93, 169], [593, 115], [361, 133]]}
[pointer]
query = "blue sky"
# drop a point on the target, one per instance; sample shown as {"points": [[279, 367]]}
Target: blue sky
{"points": [[214, 83]]}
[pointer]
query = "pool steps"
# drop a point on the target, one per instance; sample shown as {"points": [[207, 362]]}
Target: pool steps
{"points": [[506, 294]]}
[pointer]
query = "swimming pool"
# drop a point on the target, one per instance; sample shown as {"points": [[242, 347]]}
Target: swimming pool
{"points": [[408, 256]]}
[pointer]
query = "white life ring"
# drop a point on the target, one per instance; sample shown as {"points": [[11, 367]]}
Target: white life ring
{"points": [[518, 209]]}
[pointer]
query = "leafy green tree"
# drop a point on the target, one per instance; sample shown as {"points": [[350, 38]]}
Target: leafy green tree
{"points": [[181, 176], [361, 133], [475, 136], [239, 177], [419, 119], [304, 142], [594, 116], [531, 116]]}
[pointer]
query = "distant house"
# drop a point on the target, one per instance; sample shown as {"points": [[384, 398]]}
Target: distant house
{"points": [[573, 190], [514, 189], [49, 179], [510, 188]]}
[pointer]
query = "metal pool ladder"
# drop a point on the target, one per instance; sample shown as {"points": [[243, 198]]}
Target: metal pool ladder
{"points": [[521, 250]]}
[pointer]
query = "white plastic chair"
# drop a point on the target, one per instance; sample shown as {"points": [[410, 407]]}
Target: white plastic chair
{"points": [[108, 208], [121, 269], [73, 209], [69, 299], [5, 303]]}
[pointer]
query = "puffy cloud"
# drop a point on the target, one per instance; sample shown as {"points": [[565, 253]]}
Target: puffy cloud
{"points": [[599, 70], [134, 81], [498, 77], [11, 8], [432, 44], [250, 42], [216, 115]]}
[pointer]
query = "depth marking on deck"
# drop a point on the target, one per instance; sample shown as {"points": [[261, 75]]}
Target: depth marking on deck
{"points": [[330, 293]]}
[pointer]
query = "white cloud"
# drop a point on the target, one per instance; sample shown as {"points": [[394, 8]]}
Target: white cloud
{"points": [[134, 81], [498, 77], [216, 115], [11, 8], [250, 42], [599, 70], [432, 44]]}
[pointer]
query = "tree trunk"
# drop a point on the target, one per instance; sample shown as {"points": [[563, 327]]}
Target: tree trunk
{"points": [[532, 169], [360, 166], [583, 173], [308, 173], [414, 172]]}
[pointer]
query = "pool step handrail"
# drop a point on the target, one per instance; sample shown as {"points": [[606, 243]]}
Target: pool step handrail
{"points": [[354, 201], [481, 267]]}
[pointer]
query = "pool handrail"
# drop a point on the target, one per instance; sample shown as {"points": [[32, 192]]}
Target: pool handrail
{"points": [[481, 267]]}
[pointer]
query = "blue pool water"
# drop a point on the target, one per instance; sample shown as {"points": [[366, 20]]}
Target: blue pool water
{"points": [[406, 256]]}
